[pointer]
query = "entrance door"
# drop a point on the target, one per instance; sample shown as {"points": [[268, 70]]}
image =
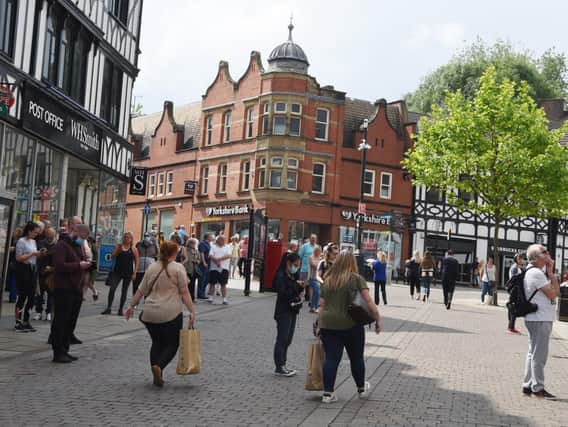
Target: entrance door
{"points": [[6, 215], [506, 262]]}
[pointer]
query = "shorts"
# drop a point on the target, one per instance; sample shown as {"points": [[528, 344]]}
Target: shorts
{"points": [[221, 277], [234, 262]]}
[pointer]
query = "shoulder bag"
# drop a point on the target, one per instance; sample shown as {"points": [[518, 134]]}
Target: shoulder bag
{"points": [[358, 308]]}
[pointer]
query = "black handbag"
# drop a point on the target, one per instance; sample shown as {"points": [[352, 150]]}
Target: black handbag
{"points": [[358, 308]]}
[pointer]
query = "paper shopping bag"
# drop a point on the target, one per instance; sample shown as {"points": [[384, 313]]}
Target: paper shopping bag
{"points": [[314, 377], [189, 354]]}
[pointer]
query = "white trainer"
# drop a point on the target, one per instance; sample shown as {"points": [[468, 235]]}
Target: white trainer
{"points": [[364, 392], [329, 398], [37, 316]]}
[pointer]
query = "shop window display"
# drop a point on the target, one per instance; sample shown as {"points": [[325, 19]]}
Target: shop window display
{"points": [[17, 170], [47, 184], [112, 208]]}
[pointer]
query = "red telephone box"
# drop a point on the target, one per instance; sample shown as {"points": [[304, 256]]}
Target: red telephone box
{"points": [[274, 251]]}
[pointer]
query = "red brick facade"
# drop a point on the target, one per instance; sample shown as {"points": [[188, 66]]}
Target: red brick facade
{"points": [[279, 141]]}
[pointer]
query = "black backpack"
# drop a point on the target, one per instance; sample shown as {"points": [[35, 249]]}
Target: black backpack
{"points": [[519, 305]]}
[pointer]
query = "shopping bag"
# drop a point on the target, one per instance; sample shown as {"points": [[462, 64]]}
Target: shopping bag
{"points": [[189, 354], [314, 377]]}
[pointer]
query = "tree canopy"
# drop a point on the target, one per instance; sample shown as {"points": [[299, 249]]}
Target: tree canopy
{"points": [[497, 146], [546, 77]]}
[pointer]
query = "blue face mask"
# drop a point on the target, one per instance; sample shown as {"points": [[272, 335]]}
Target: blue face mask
{"points": [[293, 269], [79, 241]]}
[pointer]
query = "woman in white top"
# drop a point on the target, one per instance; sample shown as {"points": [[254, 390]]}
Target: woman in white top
{"points": [[488, 279]]}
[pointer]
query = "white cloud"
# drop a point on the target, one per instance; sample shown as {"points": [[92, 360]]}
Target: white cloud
{"points": [[433, 34]]}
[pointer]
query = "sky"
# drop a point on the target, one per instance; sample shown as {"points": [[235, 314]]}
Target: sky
{"points": [[369, 49]]}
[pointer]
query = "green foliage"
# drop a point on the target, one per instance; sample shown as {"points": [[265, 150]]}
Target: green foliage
{"points": [[546, 76], [495, 144]]}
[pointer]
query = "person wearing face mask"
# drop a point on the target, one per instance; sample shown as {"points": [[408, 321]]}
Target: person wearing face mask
{"points": [[288, 305], [70, 266], [45, 270], [147, 254]]}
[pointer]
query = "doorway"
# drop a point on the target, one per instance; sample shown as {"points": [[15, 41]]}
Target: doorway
{"points": [[6, 220]]}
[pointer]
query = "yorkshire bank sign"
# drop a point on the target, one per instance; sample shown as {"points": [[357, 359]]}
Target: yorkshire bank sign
{"points": [[370, 219], [227, 210]]}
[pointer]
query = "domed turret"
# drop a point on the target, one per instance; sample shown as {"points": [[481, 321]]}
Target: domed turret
{"points": [[288, 56]]}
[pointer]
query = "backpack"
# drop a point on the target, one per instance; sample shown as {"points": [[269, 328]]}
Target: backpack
{"points": [[519, 305]]}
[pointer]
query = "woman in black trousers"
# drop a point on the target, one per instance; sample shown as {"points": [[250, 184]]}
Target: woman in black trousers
{"points": [[125, 257], [288, 305], [164, 288]]}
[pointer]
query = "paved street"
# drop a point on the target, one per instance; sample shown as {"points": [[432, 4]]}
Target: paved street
{"points": [[428, 367]]}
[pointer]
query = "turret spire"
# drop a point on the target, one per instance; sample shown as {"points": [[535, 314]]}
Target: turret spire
{"points": [[290, 28]]}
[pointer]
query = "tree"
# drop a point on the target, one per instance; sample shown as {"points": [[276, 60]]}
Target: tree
{"points": [[546, 76], [497, 146]]}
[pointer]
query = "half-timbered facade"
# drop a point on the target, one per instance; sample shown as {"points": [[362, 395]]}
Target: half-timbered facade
{"points": [[66, 74], [440, 226]]}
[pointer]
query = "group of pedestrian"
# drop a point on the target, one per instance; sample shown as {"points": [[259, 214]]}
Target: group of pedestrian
{"points": [[419, 273], [335, 327]]}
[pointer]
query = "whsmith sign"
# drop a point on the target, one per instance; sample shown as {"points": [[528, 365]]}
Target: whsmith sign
{"points": [[63, 127], [227, 210], [368, 218]]}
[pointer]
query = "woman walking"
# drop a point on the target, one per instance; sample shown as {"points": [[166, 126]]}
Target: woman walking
{"points": [[164, 288], [338, 330], [380, 277], [313, 283], [488, 279], [413, 274], [125, 268], [329, 255], [426, 274], [234, 255], [288, 305], [92, 255], [192, 265], [26, 275]]}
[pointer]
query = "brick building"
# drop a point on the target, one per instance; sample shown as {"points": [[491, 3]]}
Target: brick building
{"points": [[277, 140]]}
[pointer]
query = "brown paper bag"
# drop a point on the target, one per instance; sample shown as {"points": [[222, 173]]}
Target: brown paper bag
{"points": [[314, 377], [189, 354]]}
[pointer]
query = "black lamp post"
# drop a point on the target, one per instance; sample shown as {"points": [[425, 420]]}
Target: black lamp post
{"points": [[363, 147]]}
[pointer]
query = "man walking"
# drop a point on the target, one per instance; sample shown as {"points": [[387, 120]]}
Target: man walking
{"points": [[204, 247], [219, 257], [306, 251], [516, 268], [544, 288], [243, 254], [450, 270]]}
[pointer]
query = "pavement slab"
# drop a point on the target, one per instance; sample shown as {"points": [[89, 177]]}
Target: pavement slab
{"points": [[429, 367]]}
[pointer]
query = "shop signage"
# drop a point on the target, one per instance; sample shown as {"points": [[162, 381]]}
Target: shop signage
{"points": [[138, 181], [59, 125], [368, 218], [189, 187], [227, 210], [6, 99], [63, 127]]}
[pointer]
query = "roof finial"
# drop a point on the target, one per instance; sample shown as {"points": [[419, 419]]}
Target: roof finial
{"points": [[290, 28]]}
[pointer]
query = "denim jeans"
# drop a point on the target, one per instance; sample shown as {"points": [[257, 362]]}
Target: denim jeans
{"points": [[334, 341], [202, 281], [486, 289], [315, 300], [285, 325], [426, 286]]}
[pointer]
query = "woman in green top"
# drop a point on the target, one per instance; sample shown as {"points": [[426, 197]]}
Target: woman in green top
{"points": [[338, 330]]}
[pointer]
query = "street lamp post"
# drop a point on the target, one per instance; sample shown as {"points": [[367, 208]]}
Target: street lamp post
{"points": [[363, 147]]}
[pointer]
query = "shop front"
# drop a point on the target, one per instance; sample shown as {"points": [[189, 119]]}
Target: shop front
{"points": [[57, 161], [376, 236], [226, 219]]}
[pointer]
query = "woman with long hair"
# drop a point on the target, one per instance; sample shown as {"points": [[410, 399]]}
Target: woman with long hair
{"points": [[125, 257], [338, 330], [26, 275], [288, 305], [413, 274], [164, 288], [192, 264], [329, 254], [426, 274]]}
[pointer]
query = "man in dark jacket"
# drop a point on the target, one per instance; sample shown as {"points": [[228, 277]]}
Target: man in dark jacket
{"points": [[70, 267], [450, 270]]}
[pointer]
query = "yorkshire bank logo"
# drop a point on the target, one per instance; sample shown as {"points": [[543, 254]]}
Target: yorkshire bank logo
{"points": [[371, 219], [227, 210]]}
